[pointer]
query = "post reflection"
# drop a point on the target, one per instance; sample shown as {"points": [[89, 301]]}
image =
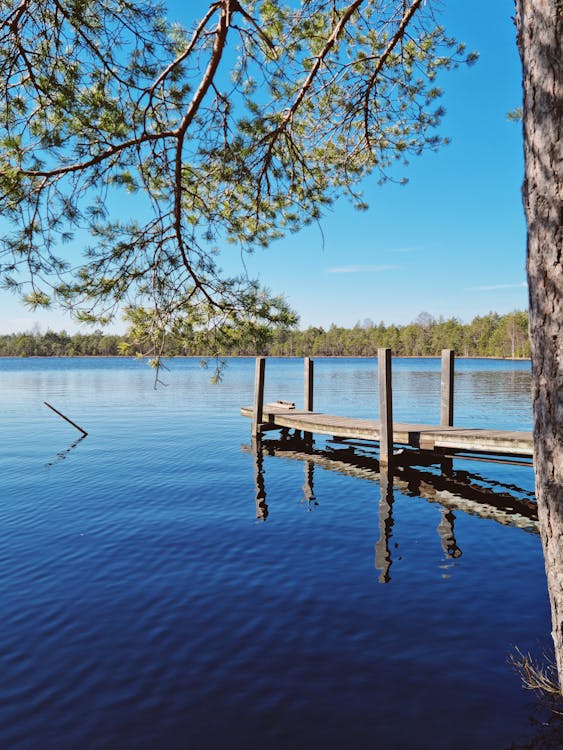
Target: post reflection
{"points": [[383, 560], [260, 485], [309, 486], [446, 533]]}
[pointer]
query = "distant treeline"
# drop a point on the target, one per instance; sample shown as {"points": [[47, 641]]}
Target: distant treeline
{"points": [[62, 344], [490, 335]]}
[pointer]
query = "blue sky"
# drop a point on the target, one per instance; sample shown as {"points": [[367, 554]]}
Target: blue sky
{"points": [[451, 242]]}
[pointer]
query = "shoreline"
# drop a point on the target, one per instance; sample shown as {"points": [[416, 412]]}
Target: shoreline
{"points": [[253, 356]]}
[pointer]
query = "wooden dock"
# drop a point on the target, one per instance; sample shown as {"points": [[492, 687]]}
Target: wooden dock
{"points": [[442, 440]]}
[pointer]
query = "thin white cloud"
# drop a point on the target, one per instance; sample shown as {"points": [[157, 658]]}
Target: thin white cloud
{"points": [[361, 269], [494, 287]]}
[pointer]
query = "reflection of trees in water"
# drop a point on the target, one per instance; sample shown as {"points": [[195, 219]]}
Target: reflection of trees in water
{"points": [[480, 394], [483, 383], [502, 383]]}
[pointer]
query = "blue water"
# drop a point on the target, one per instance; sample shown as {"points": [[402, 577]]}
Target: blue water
{"points": [[146, 603]]}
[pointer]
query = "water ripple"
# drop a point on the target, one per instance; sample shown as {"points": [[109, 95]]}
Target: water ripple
{"points": [[144, 604]]}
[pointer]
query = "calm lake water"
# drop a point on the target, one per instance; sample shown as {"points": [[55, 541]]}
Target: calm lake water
{"points": [[164, 587]]}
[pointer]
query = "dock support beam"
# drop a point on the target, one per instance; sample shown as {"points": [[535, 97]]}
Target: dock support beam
{"points": [[308, 385], [385, 406], [447, 399], [258, 411]]}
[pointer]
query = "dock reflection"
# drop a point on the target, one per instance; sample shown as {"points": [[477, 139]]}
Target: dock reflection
{"points": [[453, 490]]}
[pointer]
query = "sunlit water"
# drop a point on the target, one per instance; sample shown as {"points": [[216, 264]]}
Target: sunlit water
{"points": [[146, 603]]}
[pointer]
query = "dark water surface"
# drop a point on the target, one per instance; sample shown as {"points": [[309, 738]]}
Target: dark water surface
{"points": [[163, 586]]}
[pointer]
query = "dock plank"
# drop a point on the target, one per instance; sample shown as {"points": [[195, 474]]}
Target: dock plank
{"points": [[420, 436]]}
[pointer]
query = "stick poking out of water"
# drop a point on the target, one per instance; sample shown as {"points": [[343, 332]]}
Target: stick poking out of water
{"points": [[65, 418]]}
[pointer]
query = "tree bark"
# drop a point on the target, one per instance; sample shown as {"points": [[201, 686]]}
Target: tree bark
{"points": [[540, 40]]}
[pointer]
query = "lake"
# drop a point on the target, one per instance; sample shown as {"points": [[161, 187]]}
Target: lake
{"points": [[166, 586]]}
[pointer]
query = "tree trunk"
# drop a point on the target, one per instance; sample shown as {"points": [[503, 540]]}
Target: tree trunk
{"points": [[540, 35]]}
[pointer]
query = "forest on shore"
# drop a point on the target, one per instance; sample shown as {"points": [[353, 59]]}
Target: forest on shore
{"points": [[491, 335]]}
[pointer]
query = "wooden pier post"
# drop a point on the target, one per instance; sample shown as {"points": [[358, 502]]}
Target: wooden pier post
{"points": [[308, 384], [258, 410], [385, 406], [447, 396]]}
